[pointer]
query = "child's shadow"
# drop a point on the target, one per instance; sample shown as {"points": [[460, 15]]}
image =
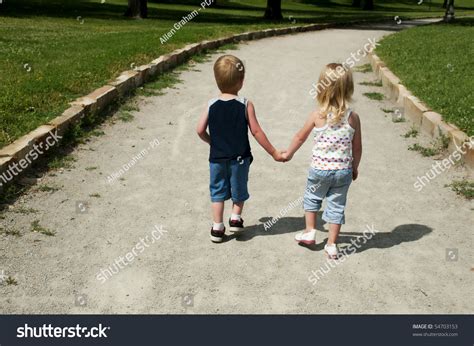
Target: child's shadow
{"points": [[281, 226], [379, 240]]}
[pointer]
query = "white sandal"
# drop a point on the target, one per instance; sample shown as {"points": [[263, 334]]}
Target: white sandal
{"points": [[308, 238], [332, 251]]}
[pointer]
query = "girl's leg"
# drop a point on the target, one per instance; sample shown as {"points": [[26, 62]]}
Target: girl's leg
{"points": [[217, 211], [334, 230], [310, 217]]}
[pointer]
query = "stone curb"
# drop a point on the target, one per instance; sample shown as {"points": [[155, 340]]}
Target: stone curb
{"points": [[420, 114], [127, 81]]}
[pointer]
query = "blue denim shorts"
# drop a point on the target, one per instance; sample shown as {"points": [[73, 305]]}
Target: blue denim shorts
{"points": [[229, 180], [332, 185]]}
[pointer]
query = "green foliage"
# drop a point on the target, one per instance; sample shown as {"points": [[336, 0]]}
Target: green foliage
{"points": [[376, 83], [463, 188], [363, 68], [374, 96], [54, 51], [412, 133], [434, 62], [36, 227]]}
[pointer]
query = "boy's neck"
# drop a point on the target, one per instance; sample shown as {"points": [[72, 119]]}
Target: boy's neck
{"points": [[228, 95]]}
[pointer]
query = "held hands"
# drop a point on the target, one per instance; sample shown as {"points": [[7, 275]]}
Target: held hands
{"points": [[286, 156], [281, 156]]}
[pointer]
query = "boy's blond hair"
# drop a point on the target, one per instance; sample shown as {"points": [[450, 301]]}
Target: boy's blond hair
{"points": [[229, 72], [337, 92]]}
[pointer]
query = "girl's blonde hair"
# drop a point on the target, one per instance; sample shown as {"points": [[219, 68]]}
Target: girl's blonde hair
{"points": [[337, 87]]}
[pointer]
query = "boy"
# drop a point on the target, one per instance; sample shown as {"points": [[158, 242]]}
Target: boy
{"points": [[229, 117]]}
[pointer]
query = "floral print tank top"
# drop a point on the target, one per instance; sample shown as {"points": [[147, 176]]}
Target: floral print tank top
{"points": [[332, 148]]}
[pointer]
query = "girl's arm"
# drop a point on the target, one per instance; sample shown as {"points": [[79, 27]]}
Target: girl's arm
{"points": [[259, 134], [354, 121], [202, 127], [300, 137]]}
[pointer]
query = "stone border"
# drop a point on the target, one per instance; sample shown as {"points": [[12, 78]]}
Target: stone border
{"points": [[127, 81], [419, 113]]}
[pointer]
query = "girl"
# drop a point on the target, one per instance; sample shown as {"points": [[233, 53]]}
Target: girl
{"points": [[337, 152]]}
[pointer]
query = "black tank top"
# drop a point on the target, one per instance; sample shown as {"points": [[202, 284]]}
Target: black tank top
{"points": [[228, 129]]}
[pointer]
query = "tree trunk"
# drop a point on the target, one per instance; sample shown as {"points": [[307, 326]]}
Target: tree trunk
{"points": [[368, 5], [273, 10], [445, 3], [355, 3], [137, 9], [449, 14]]}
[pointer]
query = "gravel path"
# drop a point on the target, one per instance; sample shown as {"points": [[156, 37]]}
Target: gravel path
{"points": [[162, 203]]}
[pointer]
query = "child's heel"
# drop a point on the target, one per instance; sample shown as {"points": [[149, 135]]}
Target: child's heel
{"points": [[307, 238]]}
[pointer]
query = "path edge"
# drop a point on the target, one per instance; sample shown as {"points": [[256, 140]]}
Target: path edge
{"points": [[420, 114], [16, 153]]}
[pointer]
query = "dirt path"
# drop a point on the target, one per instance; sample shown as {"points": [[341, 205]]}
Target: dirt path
{"points": [[403, 269]]}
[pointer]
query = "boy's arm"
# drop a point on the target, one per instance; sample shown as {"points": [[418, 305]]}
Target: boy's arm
{"points": [[259, 134], [202, 127], [300, 137], [354, 121]]}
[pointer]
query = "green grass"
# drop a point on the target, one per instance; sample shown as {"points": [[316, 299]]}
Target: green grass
{"points": [[435, 63], [36, 227], [437, 147], [11, 281], [62, 161], [374, 96], [48, 188], [10, 232], [412, 133], [49, 58], [366, 68], [375, 83], [463, 188]]}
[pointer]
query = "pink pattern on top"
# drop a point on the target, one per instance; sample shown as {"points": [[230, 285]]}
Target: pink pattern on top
{"points": [[332, 148]]}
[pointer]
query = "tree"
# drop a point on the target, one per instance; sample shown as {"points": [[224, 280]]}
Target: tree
{"points": [[355, 3], [449, 14], [368, 4], [445, 3], [273, 10], [137, 9], [365, 4]]}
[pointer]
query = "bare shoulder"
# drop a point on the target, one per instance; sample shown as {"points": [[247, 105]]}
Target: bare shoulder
{"points": [[318, 118], [354, 120], [249, 103]]}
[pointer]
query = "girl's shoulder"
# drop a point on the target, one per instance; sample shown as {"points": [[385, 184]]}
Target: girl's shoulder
{"points": [[354, 120], [318, 118]]}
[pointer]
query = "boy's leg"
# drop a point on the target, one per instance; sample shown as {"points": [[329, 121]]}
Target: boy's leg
{"points": [[237, 209], [218, 213], [220, 191], [239, 177]]}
